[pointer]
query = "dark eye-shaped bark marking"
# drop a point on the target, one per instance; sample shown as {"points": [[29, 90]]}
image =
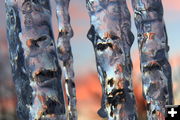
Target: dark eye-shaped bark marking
{"points": [[111, 82], [118, 97], [151, 66], [103, 46], [42, 42], [45, 77]]}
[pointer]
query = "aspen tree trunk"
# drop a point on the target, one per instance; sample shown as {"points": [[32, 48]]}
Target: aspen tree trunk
{"points": [[65, 55], [111, 37], [34, 62], [153, 47]]}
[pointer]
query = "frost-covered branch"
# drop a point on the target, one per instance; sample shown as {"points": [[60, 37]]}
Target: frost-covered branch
{"points": [[112, 39]]}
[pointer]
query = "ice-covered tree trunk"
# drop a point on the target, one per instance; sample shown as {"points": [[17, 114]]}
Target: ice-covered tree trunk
{"points": [[153, 47], [34, 62], [112, 39], [65, 55]]}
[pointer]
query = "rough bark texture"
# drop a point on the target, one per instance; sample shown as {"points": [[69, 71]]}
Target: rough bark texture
{"points": [[112, 39], [153, 47], [34, 62], [65, 54]]}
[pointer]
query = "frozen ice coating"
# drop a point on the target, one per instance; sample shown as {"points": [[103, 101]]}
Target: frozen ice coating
{"points": [[65, 55], [153, 47], [112, 39], [34, 62]]}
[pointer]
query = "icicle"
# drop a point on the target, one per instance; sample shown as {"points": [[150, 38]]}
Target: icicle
{"points": [[112, 39], [65, 54], [153, 47], [32, 50]]}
